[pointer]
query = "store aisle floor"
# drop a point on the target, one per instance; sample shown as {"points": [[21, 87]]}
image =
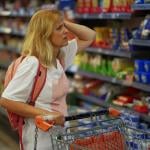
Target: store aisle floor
{"points": [[6, 142], [8, 137]]}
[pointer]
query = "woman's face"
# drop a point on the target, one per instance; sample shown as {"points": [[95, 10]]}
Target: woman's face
{"points": [[59, 34]]}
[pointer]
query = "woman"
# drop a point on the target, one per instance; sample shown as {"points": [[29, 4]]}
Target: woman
{"points": [[46, 40]]}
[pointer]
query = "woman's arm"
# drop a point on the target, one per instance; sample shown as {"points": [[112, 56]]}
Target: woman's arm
{"points": [[26, 110], [85, 35]]}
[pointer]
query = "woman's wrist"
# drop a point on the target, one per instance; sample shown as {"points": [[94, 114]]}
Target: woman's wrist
{"points": [[66, 23]]}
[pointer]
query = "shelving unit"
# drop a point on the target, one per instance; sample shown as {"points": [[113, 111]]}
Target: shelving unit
{"points": [[139, 86], [109, 52], [141, 6], [14, 15], [121, 53], [9, 48], [104, 16], [99, 102], [9, 31], [140, 42], [139, 53]]}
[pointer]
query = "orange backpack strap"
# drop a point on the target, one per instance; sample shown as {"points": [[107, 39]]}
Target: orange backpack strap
{"points": [[17, 63], [38, 85], [12, 70]]}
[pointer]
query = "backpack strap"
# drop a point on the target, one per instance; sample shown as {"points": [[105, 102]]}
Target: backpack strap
{"points": [[20, 128], [39, 83], [17, 63], [12, 70]]}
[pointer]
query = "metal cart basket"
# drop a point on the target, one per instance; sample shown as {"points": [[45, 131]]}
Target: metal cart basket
{"points": [[98, 134]]}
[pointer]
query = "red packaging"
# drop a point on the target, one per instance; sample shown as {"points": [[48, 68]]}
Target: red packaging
{"points": [[87, 6], [107, 6], [95, 8], [141, 108], [80, 6]]}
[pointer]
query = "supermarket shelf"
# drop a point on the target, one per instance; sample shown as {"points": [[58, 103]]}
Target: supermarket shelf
{"points": [[6, 13], [11, 49], [120, 53], [141, 6], [104, 16], [99, 102], [136, 85], [92, 99], [141, 86], [5, 30], [140, 42]]}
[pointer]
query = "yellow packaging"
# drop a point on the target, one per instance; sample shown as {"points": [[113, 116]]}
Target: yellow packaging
{"points": [[94, 3], [118, 64], [98, 34], [106, 5]]}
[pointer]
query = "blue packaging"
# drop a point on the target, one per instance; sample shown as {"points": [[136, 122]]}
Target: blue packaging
{"points": [[147, 65], [116, 35], [143, 126], [139, 2], [132, 145], [146, 29], [137, 33], [145, 77], [63, 4], [137, 76], [140, 136], [125, 37], [147, 24], [135, 118], [139, 65], [148, 135]]}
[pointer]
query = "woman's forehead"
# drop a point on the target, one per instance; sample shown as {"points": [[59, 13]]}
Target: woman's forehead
{"points": [[60, 21]]}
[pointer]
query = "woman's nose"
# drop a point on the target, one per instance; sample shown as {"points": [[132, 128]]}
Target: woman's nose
{"points": [[65, 31]]}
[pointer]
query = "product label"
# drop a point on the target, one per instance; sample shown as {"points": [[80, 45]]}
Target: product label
{"points": [[146, 67], [137, 77], [144, 79]]}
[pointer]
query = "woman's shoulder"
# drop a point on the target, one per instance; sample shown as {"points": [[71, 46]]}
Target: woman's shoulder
{"points": [[29, 63], [31, 60]]}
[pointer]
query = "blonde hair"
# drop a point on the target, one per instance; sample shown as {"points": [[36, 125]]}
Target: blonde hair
{"points": [[37, 40]]}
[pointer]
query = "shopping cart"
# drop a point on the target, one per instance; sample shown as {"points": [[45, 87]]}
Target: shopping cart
{"points": [[95, 133]]}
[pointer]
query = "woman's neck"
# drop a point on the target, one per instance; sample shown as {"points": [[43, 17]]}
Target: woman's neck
{"points": [[56, 52]]}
